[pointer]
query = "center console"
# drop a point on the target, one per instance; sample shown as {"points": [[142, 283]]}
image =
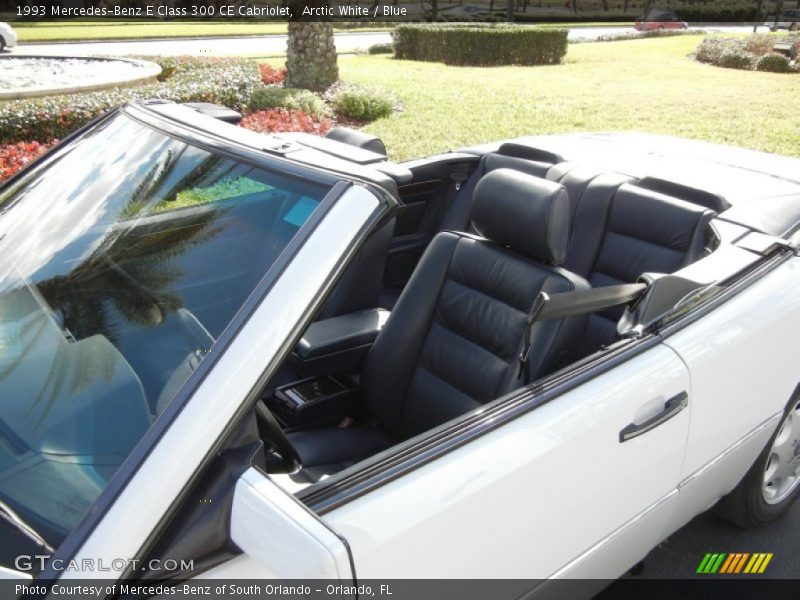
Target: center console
{"points": [[315, 402]]}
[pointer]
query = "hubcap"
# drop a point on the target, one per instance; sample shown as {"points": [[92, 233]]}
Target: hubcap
{"points": [[782, 473]]}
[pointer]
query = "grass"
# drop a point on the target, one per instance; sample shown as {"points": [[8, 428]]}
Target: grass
{"points": [[59, 31], [47, 31], [648, 85]]}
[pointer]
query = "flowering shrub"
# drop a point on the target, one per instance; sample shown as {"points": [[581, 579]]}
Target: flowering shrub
{"points": [[283, 119], [225, 81], [15, 156], [270, 75]]}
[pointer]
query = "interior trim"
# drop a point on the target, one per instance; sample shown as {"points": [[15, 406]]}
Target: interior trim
{"points": [[387, 466]]}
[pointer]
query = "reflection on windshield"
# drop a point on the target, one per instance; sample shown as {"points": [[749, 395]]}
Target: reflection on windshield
{"points": [[121, 261]]}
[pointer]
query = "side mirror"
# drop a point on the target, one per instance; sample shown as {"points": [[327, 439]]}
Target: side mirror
{"points": [[280, 537]]}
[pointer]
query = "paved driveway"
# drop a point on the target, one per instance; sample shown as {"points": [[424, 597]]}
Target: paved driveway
{"points": [[679, 556], [268, 45]]}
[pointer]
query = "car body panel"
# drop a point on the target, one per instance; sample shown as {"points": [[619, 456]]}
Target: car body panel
{"points": [[789, 19], [8, 35], [660, 20], [743, 374], [472, 512]]}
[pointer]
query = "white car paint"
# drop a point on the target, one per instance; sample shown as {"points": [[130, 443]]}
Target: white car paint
{"points": [[261, 514], [8, 35], [498, 507], [744, 371], [177, 455]]}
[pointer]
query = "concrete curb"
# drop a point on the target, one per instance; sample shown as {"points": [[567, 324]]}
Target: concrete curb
{"points": [[152, 71]]}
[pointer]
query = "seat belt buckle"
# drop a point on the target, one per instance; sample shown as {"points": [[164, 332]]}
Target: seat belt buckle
{"points": [[523, 360], [458, 178], [536, 308]]}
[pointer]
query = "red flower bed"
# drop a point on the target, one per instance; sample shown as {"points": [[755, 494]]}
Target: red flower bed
{"points": [[271, 75], [15, 156], [282, 119]]}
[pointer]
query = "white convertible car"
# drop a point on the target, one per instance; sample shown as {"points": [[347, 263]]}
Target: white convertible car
{"points": [[230, 355]]}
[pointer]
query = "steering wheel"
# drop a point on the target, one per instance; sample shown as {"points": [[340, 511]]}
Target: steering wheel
{"points": [[285, 458]]}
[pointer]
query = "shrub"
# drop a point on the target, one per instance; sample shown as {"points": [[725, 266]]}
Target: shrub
{"points": [[282, 119], [15, 156], [774, 63], [480, 44], [737, 59], [270, 75], [229, 82], [362, 104], [381, 49], [760, 43], [711, 48], [291, 98]]}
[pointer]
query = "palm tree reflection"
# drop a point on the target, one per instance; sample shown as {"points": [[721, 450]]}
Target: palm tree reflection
{"points": [[131, 273]]}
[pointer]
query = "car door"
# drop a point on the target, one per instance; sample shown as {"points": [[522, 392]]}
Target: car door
{"points": [[743, 373], [553, 492]]}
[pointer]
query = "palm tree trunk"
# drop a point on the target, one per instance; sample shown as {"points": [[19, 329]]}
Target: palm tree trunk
{"points": [[311, 56]]}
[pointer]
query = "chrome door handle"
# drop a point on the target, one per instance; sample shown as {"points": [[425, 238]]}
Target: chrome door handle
{"points": [[671, 408]]}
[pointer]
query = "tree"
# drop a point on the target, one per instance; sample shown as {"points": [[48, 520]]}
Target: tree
{"points": [[310, 52]]}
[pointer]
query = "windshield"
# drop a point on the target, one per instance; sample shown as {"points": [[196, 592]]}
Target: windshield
{"points": [[122, 259]]}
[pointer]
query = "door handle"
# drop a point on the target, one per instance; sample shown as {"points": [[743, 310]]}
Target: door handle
{"points": [[671, 408]]}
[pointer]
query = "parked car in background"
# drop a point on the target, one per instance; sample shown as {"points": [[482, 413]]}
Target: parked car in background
{"points": [[8, 37], [660, 20], [789, 19], [284, 356]]}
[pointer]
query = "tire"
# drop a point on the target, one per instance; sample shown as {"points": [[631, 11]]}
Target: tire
{"points": [[2, 44], [763, 496]]}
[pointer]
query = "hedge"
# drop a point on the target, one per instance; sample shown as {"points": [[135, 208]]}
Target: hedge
{"points": [[480, 45], [223, 81]]}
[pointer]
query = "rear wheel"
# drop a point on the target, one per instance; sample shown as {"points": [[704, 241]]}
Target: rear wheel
{"points": [[773, 482], [2, 44]]}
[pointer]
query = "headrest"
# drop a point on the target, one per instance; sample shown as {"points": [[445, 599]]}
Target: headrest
{"points": [[523, 212], [359, 139]]}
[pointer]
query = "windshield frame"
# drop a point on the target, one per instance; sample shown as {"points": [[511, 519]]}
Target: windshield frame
{"points": [[337, 183]]}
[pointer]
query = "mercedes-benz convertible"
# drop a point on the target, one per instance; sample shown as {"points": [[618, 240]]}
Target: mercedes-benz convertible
{"points": [[228, 355]]}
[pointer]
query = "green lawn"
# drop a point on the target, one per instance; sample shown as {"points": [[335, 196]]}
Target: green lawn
{"points": [[648, 85], [49, 31], [74, 31]]}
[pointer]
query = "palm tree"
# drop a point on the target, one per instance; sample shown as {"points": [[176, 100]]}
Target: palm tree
{"points": [[310, 53]]}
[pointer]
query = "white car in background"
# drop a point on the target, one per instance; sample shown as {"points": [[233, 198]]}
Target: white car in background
{"points": [[232, 355], [8, 37]]}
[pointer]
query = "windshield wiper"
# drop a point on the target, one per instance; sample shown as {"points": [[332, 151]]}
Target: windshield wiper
{"points": [[12, 518]]}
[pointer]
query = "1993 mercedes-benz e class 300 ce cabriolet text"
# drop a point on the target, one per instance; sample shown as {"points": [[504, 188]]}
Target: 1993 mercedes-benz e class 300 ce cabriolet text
{"points": [[284, 356]]}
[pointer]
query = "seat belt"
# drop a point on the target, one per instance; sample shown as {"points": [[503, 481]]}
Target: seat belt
{"points": [[571, 304]]}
